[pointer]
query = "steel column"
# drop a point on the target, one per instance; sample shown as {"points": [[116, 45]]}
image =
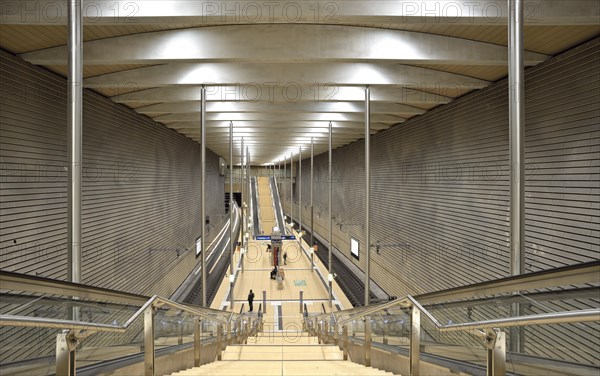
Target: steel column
{"points": [[312, 209], [245, 209], [299, 185], [248, 170], [330, 238], [516, 108], [203, 190], [231, 240], [284, 181], [367, 196], [248, 178], [74, 146], [291, 192], [75, 138]]}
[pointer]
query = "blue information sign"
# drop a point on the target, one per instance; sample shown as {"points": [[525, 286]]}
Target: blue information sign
{"points": [[283, 237]]}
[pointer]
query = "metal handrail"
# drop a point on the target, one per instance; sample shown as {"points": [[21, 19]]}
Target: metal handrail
{"points": [[569, 275], [562, 276], [539, 319], [544, 318], [22, 282], [156, 301]]}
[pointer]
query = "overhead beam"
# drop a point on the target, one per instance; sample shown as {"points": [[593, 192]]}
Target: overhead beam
{"points": [[246, 43], [281, 108], [382, 12], [410, 93], [291, 77], [249, 126], [275, 117]]}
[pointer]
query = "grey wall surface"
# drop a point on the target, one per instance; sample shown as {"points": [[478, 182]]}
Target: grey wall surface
{"points": [[440, 190], [439, 183], [141, 187]]}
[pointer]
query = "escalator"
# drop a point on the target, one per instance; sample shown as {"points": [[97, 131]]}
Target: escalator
{"points": [[217, 264], [277, 206], [255, 212]]}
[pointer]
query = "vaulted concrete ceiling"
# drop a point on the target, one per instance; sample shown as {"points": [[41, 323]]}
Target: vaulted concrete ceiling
{"points": [[281, 71]]}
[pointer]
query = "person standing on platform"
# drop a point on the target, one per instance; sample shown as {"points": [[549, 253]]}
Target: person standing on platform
{"points": [[250, 300], [284, 258]]}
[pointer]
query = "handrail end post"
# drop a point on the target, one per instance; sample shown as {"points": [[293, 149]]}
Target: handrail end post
{"points": [[415, 341], [495, 341], [149, 360]]}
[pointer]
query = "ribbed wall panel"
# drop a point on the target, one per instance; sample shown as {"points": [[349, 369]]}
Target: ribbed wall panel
{"points": [[141, 187], [440, 191]]}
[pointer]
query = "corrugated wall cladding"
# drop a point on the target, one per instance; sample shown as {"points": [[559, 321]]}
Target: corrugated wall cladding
{"points": [[141, 187], [440, 183], [440, 190]]}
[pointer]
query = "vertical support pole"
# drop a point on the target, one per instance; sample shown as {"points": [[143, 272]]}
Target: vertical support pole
{"points": [[74, 141], [291, 192], [246, 203], [231, 240], [367, 195], [149, 341], [330, 217], [283, 185], [496, 353], [368, 338], [65, 362], [203, 194], [264, 301], [220, 342], [312, 209], [248, 176], [415, 342], [197, 341], [245, 197], [299, 185], [516, 108], [74, 150], [301, 300]]}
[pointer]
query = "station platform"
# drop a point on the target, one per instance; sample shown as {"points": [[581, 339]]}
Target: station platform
{"points": [[283, 306]]}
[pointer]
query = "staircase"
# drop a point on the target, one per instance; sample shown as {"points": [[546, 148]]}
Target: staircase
{"points": [[282, 353], [265, 203]]}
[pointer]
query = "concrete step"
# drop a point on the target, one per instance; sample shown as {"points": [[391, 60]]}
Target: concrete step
{"points": [[282, 353], [281, 340], [286, 368]]}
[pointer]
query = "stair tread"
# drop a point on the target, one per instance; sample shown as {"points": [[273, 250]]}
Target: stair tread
{"points": [[291, 368]]}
